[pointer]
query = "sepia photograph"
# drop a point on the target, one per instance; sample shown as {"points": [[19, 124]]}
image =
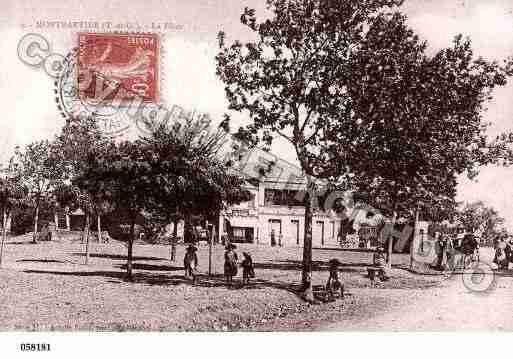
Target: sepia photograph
{"points": [[255, 166]]}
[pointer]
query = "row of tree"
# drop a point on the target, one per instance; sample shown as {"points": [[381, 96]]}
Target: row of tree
{"points": [[173, 173], [348, 84]]}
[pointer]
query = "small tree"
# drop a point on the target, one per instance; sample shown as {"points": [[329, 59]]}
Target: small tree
{"points": [[190, 178], [121, 175], [476, 217], [11, 195], [38, 168], [77, 139]]}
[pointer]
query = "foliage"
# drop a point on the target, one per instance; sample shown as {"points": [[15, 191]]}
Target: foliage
{"points": [[477, 217], [119, 174], [189, 177], [39, 170], [292, 82], [415, 120]]}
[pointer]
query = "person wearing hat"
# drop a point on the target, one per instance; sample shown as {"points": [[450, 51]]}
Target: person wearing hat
{"points": [[230, 263], [334, 284], [190, 263], [247, 268]]}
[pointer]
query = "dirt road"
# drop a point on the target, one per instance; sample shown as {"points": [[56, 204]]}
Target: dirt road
{"points": [[456, 305]]}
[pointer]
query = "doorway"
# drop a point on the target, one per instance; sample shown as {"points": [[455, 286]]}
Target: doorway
{"points": [[295, 230]]}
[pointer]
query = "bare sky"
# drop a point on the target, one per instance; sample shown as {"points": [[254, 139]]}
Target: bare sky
{"points": [[30, 112]]}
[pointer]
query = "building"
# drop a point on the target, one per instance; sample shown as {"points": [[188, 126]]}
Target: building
{"points": [[276, 205]]}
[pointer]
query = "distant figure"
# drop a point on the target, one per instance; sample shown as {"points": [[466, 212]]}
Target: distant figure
{"points": [[247, 268], [379, 260], [450, 252], [190, 263], [469, 245], [273, 238], [334, 285], [440, 248], [509, 249], [230, 263], [421, 234], [459, 239], [500, 255]]}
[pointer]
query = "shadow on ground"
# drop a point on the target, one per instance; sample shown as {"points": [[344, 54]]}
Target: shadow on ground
{"points": [[119, 257], [144, 266], [40, 260], [213, 281], [294, 265]]}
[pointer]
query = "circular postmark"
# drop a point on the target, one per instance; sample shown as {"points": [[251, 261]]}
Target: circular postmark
{"points": [[480, 278], [112, 117]]}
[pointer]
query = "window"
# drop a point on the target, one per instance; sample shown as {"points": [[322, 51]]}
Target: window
{"points": [[278, 197]]}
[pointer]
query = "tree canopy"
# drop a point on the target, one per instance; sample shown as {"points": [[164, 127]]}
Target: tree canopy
{"points": [[354, 91]]}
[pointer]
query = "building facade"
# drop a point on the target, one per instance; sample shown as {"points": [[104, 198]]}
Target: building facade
{"points": [[275, 212], [279, 213]]}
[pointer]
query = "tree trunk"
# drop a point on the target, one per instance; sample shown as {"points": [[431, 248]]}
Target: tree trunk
{"points": [[56, 219], [36, 219], [173, 240], [68, 222], [306, 279], [413, 241], [130, 248], [210, 238], [86, 235], [4, 235], [99, 227], [391, 240]]}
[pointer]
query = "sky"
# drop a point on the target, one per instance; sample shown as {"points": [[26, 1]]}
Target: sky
{"points": [[188, 66]]}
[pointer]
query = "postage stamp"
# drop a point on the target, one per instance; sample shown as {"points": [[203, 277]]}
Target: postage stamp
{"points": [[129, 59]]}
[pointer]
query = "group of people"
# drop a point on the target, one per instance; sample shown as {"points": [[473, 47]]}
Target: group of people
{"points": [[503, 253], [190, 262], [452, 250], [230, 265]]}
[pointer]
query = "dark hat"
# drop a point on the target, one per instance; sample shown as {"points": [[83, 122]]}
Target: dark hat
{"points": [[231, 246], [334, 262], [191, 247]]}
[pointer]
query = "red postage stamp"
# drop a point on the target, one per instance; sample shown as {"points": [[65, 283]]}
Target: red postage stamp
{"points": [[130, 61]]}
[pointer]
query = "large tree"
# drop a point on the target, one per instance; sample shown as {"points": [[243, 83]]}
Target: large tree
{"points": [[416, 120], [291, 82]]}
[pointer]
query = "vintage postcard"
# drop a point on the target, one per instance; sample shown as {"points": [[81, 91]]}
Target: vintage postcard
{"points": [[255, 166]]}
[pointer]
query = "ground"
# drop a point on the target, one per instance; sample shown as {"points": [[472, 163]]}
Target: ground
{"points": [[47, 286]]}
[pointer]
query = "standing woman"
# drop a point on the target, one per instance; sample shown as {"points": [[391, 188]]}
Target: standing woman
{"points": [[190, 262], [230, 263]]}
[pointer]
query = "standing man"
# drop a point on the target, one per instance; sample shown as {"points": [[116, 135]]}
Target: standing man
{"points": [[273, 238]]}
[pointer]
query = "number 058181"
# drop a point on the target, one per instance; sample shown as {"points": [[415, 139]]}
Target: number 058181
{"points": [[35, 347]]}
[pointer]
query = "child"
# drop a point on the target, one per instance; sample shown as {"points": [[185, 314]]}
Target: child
{"points": [[380, 262], [247, 268], [230, 263], [334, 285], [190, 262]]}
